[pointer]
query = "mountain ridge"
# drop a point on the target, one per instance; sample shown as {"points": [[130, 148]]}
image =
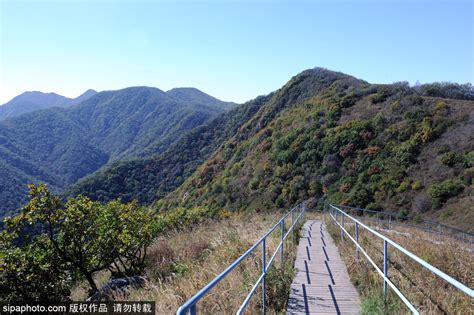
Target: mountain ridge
{"points": [[60, 145], [35, 100]]}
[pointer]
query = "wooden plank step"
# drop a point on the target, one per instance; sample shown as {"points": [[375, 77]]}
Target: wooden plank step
{"points": [[321, 284]]}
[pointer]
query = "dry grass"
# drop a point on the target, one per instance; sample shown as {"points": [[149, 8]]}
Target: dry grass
{"points": [[429, 293], [182, 263]]}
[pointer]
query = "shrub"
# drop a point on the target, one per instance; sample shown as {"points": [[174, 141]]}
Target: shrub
{"points": [[373, 150], [451, 158], [441, 106], [395, 105], [405, 185], [347, 150], [85, 236], [253, 185], [417, 185], [469, 159], [279, 278], [421, 203], [345, 187], [440, 193], [468, 176], [33, 272]]}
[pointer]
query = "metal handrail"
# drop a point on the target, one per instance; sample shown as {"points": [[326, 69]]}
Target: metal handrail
{"points": [[299, 210], [334, 212], [424, 224]]}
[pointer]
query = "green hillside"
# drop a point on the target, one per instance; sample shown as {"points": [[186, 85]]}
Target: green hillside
{"points": [[58, 146], [327, 134], [146, 179], [33, 101]]}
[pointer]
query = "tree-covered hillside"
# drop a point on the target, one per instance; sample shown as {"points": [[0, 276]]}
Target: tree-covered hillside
{"points": [[32, 101], [58, 146], [395, 147], [147, 179]]}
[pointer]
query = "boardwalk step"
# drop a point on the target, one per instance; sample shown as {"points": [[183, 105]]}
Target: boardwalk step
{"points": [[321, 284]]}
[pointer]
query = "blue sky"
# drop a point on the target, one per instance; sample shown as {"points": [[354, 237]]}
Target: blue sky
{"points": [[234, 50]]}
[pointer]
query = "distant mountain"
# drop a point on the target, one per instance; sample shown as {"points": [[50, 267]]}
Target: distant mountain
{"points": [[193, 95], [152, 177], [31, 101], [61, 145], [87, 94]]}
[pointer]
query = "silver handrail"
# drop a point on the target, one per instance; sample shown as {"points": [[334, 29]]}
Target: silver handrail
{"points": [[334, 212], [297, 214]]}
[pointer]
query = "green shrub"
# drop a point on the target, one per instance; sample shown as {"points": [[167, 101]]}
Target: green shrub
{"points": [[469, 159], [80, 237], [405, 185], [440, 193], [451, 158], [33, 272], [279, 278], [417, 185]]}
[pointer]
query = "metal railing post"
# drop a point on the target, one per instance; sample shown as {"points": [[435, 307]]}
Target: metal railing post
{"points": [[282, 238], [192, 310], [342, 230], [293, 226], [264, 267], [324, 212], [357, 239], [385, 267]]}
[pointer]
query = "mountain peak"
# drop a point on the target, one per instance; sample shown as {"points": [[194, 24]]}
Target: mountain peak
{"points": [[35, 100], [196, 96], [84, 96]]}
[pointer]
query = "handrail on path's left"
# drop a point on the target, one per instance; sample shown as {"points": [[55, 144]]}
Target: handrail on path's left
{"points": [[297, 214]]}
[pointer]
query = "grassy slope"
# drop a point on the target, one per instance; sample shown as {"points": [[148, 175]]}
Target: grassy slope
{"points": [[182, 262], [429, 293], [376, 146]]}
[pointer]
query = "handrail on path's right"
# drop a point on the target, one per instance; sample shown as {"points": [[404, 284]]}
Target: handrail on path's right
{"points": [[335, 212]]}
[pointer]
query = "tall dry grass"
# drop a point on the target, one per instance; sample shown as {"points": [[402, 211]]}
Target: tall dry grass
{"points": [[427, 292], [183, 262]]}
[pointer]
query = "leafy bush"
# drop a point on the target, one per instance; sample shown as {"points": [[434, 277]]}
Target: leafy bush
{"points": [[440, 193], [469, 159], [279, 278], [417, 185], [79, 238], [451, 158], [33, 272]]}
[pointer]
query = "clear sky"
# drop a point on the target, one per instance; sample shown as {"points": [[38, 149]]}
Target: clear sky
{"points": [[233, 50]]}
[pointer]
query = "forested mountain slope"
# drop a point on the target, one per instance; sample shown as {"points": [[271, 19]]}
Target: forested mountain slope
{"points": [[32, 101], [58, 146], [147, 179], [325, 134]]}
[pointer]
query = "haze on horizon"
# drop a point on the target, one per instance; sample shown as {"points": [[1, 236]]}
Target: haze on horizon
{"points": [[233, 51]]}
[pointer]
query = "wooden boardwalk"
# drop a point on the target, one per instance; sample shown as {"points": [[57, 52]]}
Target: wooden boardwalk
{"points": [[321, 284]]}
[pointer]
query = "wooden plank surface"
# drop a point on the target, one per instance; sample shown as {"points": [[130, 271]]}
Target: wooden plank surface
{"points": [[321, 284]]}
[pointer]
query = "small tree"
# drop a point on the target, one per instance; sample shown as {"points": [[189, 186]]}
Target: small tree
{"points": [[32, 272], [87, 236]]}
